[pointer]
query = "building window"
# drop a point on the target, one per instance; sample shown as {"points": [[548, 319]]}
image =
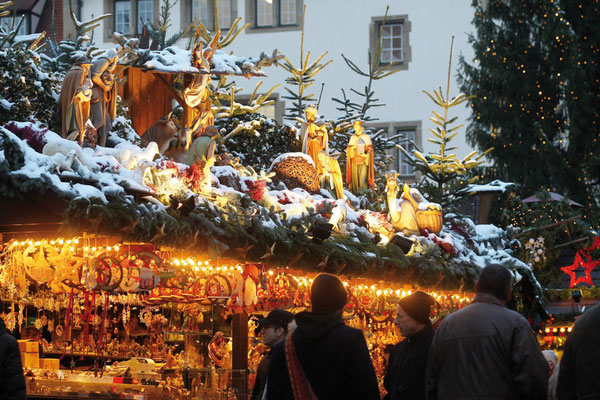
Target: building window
{"points": [[393, 37], [145, 14], [122, 16], [266, 15], [391, 43], [7, 24], [204, 11], [407, 141], [287, 15]]}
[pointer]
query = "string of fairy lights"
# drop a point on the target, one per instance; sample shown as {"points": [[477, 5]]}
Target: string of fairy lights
{"points": [[91, 247]]}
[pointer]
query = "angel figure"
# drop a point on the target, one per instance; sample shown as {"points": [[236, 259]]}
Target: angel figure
{"points": [[331, 175], [360, 165]]}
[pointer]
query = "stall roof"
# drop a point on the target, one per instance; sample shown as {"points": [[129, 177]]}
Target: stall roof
{"points": [[553, 197], [175, 60]]}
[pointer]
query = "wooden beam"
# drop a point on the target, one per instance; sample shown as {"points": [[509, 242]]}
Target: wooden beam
{"points": [[239, 358]]}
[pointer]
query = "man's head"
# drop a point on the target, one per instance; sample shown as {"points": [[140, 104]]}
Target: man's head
{"points": [[358, 127], [551, 359], [327, 294], [412, 313], [495, 279], [274, 328]]}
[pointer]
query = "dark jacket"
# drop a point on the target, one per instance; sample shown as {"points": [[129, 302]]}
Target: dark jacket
{"points": [[334, 358], [12, 381], [261, 377], [579, 375], [486, 351], [405, 375]]}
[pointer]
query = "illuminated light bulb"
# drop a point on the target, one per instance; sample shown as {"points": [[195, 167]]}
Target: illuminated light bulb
{"points": [[177, 262], [72, 249], [30, 242], [218, 268], [76, 241], [108, 248], [569, 329], [116, 248], [94, 248], [38, 243], [562, 329], [345, 283], [184, 262], [409, 292], [60, 241], [398, 292], [68, 241], [403, 293], [372, 287], [204, 269], [196, 269], [547, 330], [379, 293], [271, 272], [16, 243], [554, 330], [205, 262]]}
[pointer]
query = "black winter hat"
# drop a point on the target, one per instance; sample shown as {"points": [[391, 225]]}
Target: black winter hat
{"points": [[417, 306], [327, 294]]}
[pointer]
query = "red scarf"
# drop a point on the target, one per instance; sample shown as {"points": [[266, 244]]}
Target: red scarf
{"points": [[300, 385]]}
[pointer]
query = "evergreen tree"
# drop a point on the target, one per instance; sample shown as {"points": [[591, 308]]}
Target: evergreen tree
{"points": [[301, 77], [535, 78], [444, 175]]}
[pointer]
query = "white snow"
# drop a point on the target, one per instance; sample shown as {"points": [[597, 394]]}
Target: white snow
{"points": [[290, 155]]}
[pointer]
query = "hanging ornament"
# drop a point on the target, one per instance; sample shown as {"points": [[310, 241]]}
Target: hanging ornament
{"points": [[59, 330]]}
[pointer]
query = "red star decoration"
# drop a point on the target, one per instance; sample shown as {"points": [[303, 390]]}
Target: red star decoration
{"points": [[587, 252], [587, 267]]}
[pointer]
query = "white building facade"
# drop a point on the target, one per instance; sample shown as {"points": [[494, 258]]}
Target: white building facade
{"points": [[417, 37]]}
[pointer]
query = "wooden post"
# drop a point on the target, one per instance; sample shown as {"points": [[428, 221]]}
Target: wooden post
{"points": [[239, 362]]}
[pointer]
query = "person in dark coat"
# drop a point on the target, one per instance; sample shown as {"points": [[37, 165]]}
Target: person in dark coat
{"points": [[12, 381], [486, 351], [405, 375], [274, 329], [333, 357], [579, 375]]}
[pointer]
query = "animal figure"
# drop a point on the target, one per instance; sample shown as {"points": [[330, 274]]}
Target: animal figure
{"points": [[163, 132]]}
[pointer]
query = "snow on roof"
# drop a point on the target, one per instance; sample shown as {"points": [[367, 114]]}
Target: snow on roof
{"points": [[177, 60], [493, 186]]}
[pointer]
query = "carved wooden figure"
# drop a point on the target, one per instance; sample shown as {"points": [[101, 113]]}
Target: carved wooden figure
{"points": [[360, 168], [314, 138], [74, 101], [104, 94]]}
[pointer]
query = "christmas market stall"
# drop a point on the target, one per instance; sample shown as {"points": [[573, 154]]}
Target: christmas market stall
{"points": [[136, 253]]}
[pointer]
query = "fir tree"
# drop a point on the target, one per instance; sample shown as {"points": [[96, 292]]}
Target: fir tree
{"points": [[535, 77], [444, 175], [301, 78], [159, 33]]}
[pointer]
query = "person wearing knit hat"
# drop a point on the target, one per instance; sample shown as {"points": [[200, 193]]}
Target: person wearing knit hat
{"points": [[405, 375], [323, 358]]}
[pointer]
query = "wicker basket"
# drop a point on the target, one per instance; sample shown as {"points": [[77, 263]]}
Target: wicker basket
{"points": [[430, 220]]}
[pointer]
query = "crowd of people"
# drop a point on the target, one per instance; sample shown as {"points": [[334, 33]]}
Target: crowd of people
{"points": [[483, 351]]}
